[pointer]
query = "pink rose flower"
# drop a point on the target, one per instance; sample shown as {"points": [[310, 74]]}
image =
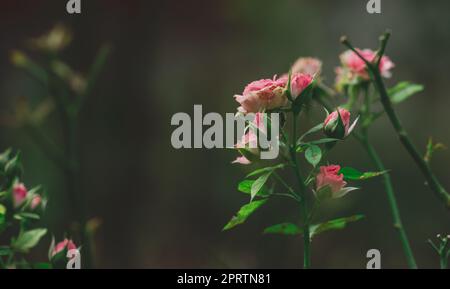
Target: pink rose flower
{"points": [[331, 122], [261, 95], [35, 202], [69, 244], [329, 176], [331, 184], [356, 65], [19, 194], [307, 65]]}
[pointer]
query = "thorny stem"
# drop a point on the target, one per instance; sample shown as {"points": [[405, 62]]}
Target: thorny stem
{"points": [[303, 204], [424, 167], [398, 225]]}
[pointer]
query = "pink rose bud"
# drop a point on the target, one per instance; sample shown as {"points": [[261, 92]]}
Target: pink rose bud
{"points": [[35, 202], [338, 129], [307, 65], [299, 82], [69, 244], [19, 194], [331, 184], [261, 95]]}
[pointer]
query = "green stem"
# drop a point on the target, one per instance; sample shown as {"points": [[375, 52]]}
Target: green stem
{"points": [[444, 261], [376, 160], [398, 225], [303, 204], [424, 167]]}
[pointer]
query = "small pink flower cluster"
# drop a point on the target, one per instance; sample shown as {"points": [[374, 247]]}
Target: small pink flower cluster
{"points": [[267, 94], [20, 194], [354, 69]]}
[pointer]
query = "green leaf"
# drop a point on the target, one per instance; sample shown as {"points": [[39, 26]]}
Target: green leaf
{"points": [[258, 184], [313, 155], [355, 175], [2, 215], [315, 129], [25, 216], [322, 141], [265, 170], [284, 229], [403, 91], [246, 187], [5, 251], [244, 213], [336, 224], [28, 240]]}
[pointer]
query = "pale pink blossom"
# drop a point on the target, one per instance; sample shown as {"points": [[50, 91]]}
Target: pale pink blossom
{"points": [[307, 65], [242, 160], [357, 66], [261, 95]]}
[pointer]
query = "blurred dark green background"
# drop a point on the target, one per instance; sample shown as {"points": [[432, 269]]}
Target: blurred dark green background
{"points": [[163, 208]]}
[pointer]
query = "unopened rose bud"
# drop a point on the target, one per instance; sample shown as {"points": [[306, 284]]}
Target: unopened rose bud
{"points": [[19, 194], [35, 202], [337, 124], [61, 246], [299, 82]]}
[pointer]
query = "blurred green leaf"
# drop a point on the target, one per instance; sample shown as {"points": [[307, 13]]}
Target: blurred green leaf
{"points": [[27, 240], [284, 229], [244, 213], [26, 216], [246, 187], [403, 91], [5, 250], [313, 155], [355, 175], [265, 170], [2, 215], [259, 183], [336, 224]]}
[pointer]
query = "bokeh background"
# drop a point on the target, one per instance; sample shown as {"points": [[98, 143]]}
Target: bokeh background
{"points": [[165, 208]]}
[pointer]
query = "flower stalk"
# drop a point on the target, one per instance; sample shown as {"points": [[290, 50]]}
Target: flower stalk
{"points": [[302, 190]]}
